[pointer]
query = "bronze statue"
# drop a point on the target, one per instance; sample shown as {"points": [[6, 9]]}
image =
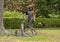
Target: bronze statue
{"points": [[31, 18]]}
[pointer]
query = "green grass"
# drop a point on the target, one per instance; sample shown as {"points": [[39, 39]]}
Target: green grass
{"points": [[45, 35]]}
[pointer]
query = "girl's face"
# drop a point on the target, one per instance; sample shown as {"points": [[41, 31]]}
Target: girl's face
{"points": [[30, 8]]}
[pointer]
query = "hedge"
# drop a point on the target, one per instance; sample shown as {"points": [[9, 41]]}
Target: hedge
{"points": [[49, 22], [14, 23]]}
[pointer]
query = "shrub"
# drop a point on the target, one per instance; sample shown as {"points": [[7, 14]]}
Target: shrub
{"points": [[14, 23], [49, 22], [14, 14], [13, 19]]}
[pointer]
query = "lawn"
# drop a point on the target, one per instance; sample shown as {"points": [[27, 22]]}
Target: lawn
{"points": [[45, 35]]}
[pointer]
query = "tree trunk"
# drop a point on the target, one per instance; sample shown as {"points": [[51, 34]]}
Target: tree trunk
{"points": [[2, 29]]}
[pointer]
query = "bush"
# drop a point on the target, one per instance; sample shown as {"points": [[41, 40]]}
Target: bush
{"points": [[14, 14], [14, 23], [13, 19], [49, 22]]}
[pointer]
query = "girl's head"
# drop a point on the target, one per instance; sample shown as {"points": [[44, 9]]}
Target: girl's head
{"points": [[30, 8]]}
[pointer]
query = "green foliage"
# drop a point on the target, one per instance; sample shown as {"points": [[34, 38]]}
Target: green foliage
{"points": [[45, 7], [54, 15], [49, 22], [14, 14], [15, 23], [13, 19]]}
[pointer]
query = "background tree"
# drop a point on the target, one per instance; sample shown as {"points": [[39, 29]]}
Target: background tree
{"points": [[2, 29], [45, 7]]}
